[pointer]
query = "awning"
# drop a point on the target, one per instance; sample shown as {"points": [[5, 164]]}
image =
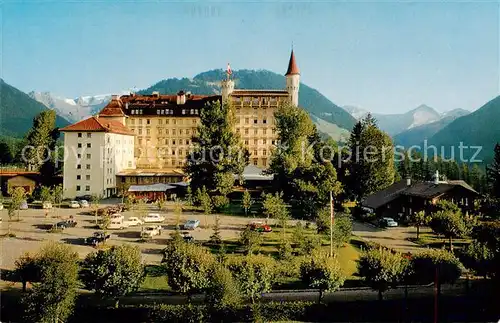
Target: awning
{"points": [[159, 187], [254, 173]]}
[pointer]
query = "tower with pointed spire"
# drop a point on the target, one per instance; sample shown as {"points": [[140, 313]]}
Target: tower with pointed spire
{"points": [[227, 85], [293, 80]]}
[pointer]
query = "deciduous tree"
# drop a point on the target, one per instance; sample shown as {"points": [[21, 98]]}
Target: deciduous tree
{"points": [[114, 272], [448, 223], [246, 202], [223, 290], [17, 196], [250, 240], [322, 272], [419, 219]]}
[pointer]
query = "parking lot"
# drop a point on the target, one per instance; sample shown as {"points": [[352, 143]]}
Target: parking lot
{"points": [[32, 231]]}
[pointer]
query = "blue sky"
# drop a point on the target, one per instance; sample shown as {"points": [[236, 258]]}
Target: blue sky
{"points": [[387, 57]]}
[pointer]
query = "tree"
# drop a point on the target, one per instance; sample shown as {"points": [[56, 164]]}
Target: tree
{"points": [[246, 202], [95, 200], [428, 264], [46, 194], [27, 269], [205, 202], [305, 244], [17, 195], [322, 272], [114, 272], [223, 290], [218, 152], [161, 203], [250, 240], [57, 195], [371, 163], [178, 213], [186, 265], [342, 227], [255, 274], [493, 172], [478, 257], [448, 223], [274, 207], [41, 139], [6, 156], [129, 201], [381, 269], [53, 298], [216, 238], [419, 219]]}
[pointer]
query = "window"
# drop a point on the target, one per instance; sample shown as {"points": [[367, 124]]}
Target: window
{"points": [[264, 162], [274, 131], [166, 141], [194, 121], [246, 142], [246, 131], [255, 141], [160, 131], [77, 187], [87, 177], [79, 145], [132, 121], [173, 142], [78, 177], [129, 164], [255, 121], [78, 166], [148, 121], [264, 131], [255, 131], [79, 156], [264, 121], [160, 121], [140, 141], [238, 130], [89, 135], [173, 132], [89, 156], [180, 141], [89, 145], [272, 142], [255, 162], [264, 152], [255, 152], [140, 131], [174, 121], [148, 131], [180, 131], [187, 131], [246, 120], [88, 166], [87, 188], [140, 121], [79, 135], [264, 141], [167, 121]]}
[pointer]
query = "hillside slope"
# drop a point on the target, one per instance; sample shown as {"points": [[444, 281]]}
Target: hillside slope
{"points": [[209, 82], [479, 128], [394, 124], [17, 110]]}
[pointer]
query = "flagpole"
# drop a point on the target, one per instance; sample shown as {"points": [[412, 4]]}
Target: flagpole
{"points": [[331, 223]]}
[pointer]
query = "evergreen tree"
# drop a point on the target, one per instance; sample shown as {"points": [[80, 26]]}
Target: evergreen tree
{"points": [[218, 153], [475, 177], [6, 156], [371, 167], [493, 172], [464, 175]]}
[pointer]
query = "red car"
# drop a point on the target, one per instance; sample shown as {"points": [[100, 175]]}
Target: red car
{"points": [[260, 227]]}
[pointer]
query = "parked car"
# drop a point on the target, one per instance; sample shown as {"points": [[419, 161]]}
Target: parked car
{"points": [[96, 239], [191, 224], [133, 221], [84, 203], [117, 223], [24, 205], [154, 217], [187, 237], [46, 205], [66, 224], [259, 226], [1, 206], [388, 222], [151, 231], [74, 204], [83, 197]]}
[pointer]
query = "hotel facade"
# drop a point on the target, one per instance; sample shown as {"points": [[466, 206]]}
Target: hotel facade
{"points": [[148, 137]]}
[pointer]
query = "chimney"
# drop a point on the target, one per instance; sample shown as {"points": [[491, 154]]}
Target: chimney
{"points": [[436, 177], [181, 98], [408, 181]]}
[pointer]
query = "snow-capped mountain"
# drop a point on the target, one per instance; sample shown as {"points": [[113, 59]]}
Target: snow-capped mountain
{"points": [[356, 112], [73, 109]]}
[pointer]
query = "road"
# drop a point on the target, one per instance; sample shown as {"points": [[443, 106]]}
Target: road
{"points": [[394, 238]]}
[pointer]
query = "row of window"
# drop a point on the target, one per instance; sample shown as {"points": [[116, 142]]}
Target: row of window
{"points": [[166, 111], [160, 121], [256, 142], [173, 162], [255, 131], [87, 188], [247, 121], [256, 162], [255, 100], [89, 135], [79, 177], [79, 166], [89, 145], [167, 131], [168, 141]]}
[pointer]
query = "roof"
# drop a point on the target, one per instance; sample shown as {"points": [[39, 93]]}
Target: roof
{"points": [[159, 187], [383, 197], [94, 124], [151, 172], [292, 66], [419, 189], [254, 173], [113, 109]]}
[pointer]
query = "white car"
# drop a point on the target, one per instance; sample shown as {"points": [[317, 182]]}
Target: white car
{"points": [[151, 231], [74, 204], [46, 205], [117, 223], [84, 203], [133, 221], [154, 217], [191, 224], [390, 222]]}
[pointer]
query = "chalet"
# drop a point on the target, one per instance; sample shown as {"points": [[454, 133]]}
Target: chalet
{"points": [[406, 197]]}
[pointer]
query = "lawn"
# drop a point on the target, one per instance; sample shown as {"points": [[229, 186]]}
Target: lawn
{"points": [[432, 240]]}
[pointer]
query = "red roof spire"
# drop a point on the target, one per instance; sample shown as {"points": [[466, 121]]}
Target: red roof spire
{"points": [[292, 66]]}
